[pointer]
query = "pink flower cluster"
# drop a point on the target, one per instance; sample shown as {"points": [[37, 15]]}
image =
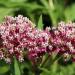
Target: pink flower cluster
{"points": [[18, 35], [62, 39], [38, 42]]}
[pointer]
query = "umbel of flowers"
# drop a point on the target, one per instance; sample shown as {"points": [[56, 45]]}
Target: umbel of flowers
{"points": [[19, 34]]}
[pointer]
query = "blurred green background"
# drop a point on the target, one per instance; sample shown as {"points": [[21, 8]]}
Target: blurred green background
{"points": [[51, 12]]}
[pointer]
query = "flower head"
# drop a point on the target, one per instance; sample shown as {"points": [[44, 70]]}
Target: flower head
{"points": [[62, 38], [12, 33], [18, 34]]}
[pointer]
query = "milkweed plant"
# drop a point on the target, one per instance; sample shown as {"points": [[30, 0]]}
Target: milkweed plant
{"points": [[20, 38]]}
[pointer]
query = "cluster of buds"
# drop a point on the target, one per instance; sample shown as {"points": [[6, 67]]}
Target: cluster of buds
{"points": [[19, 34]]}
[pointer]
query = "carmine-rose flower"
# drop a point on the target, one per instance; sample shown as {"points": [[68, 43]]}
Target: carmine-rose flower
{"points": [[18, 34], [62, 39], [12, 36]]}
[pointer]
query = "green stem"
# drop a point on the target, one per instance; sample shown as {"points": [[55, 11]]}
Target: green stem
{"points": [[43, 63], [36, 70]]}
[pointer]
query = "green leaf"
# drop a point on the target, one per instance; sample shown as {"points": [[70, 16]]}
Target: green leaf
{"points": [[17, 0], [4, 12], [49, 6], [3, 67], [70, 13], [45, 71], [16, 67], [40, 24]]}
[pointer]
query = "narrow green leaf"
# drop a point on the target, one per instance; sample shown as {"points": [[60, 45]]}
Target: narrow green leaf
{"points": [[16, 67], [40, 23]]}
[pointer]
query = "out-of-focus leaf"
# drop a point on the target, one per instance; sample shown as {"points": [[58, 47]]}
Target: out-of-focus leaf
{"points": [[45, 71], [3, 67], [19, 4], [17, 0], [70, 13], [51, 10], [59, 3], [40, 23], [54, 68], [5, 12], [12, 0], [54, 9]]}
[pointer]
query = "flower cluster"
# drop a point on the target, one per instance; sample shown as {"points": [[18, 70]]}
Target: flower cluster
{"points": [[62, 39], [13, 34], [18, 34], [37, 44]]}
